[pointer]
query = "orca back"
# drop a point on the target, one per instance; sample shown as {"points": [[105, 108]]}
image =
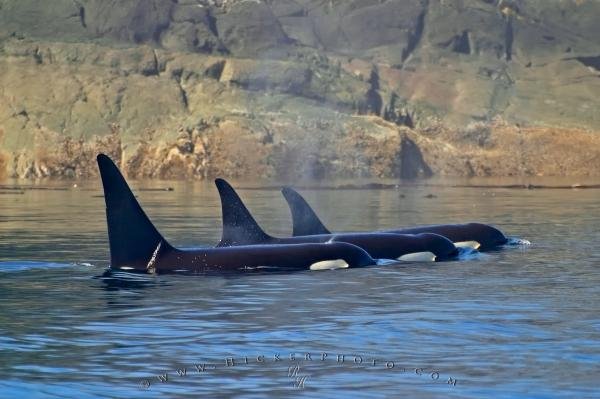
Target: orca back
{"points": [[132, 237], [305, 221], [239, 227]]}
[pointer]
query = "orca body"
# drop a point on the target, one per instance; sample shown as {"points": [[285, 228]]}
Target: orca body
{"points": [[240, 228], [478, 235], [135, 244]]}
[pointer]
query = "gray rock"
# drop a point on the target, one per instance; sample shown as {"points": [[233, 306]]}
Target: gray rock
{"points": [[250, 29], [60, 19], [455, 80], [135, 21]]}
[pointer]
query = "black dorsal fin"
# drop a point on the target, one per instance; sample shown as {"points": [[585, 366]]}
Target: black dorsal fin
{"points": [[305, 220], [239, 227], [132, 237]]}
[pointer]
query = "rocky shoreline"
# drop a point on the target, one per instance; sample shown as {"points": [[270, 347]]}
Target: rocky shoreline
{"points": [[295, 89]]}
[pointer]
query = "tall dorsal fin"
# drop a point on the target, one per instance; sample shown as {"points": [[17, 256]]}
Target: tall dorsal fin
{"points": [[132, 237], [239, 227], [305, 220]]}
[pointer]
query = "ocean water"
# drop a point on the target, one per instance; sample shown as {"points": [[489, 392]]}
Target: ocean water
{"points": [[518, 322]]}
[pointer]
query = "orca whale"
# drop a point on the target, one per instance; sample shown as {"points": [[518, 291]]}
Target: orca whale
{"points": [[240, 228], [476, 235], [135, 244]]}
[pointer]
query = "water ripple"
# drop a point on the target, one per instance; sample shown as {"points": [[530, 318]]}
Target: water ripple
{"points": [[523, 321]]}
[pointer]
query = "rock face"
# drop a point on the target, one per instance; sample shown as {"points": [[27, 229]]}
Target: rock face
{"points": [[300, 88]]}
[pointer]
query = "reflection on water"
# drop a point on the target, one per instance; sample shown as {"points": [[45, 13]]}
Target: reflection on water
{"points": [[518, 322]]}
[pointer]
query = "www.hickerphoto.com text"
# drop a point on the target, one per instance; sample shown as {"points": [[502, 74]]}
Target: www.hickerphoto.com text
{"points": [[307, 359]]}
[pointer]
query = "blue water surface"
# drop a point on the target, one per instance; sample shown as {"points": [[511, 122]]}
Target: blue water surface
{"points": [[520, 322]]}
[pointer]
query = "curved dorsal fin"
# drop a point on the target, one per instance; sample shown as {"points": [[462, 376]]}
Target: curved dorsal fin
{"points": [[239, 227], [305, 220], [132, 237]]}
